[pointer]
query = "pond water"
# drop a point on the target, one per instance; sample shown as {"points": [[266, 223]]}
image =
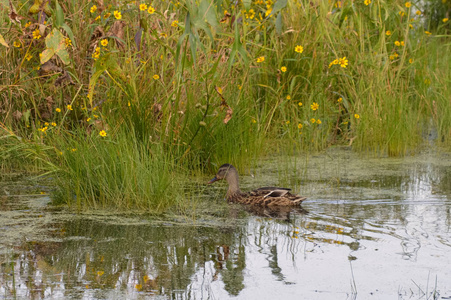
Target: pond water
{"points": [[370, 229]]}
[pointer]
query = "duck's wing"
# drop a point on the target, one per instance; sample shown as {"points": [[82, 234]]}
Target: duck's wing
{"points": [[271, 191]]}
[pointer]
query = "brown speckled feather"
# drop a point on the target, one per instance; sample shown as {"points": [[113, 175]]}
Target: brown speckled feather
{"points": [[266, 196]]}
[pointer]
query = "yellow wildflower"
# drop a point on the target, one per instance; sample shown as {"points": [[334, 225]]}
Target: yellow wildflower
{"points": [[410, 60], [104, 42], [97, 18], [283, 69], [343, 62], [287, 122], [445, 20], [68, 42], [69, 107], [299, 49], [53, 124], [408, 4], [388, 32], [28, 57], [288, 97], [102, 133], [156, 77], [107, 15], [100, 273], [260, 59], [357, 116], [340, 100], [318, 121], [151, 10], [418, 13], [28, 24], [314, 106], [58, 109], [312, 120], [402, 43], [300, 125], [117, 14], [143, 7], [175, 23], [397, 43], [36, 34], [93, 9], [427, 32], [16, 44], [367, 2], [300, 103]]}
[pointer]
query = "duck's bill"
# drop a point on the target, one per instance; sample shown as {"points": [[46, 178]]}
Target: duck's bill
{"points": [[213, 180]]}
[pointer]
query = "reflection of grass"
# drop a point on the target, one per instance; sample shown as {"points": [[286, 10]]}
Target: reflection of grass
{"points": [[140, 85]]}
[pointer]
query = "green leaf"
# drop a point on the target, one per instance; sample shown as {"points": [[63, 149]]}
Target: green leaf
{"points": [[279, 24], [247, 4], [46, 55], [55, 42], [69, 33], [59, 15], [279, 5]]}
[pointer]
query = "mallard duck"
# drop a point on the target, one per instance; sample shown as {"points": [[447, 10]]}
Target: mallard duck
{"points": [[265, 196]]}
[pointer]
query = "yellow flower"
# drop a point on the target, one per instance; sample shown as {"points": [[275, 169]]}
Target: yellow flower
{"points": [[53, 124], [58, 109], [68, 42], [93, 9], [175, 23], [356, 116], [288, 97], [343, 62], [28, 57], [97, 18], [299, 49], [340, 100], [117, 14], [388, 32], [16, 44], [260, 59], [107, 15], [367, 2], [411, 61], [163, 35], [69, 107], [88, 119], [156, 77], [142, 7], [318, 121], [250, 14], [427, 32], [300, 103], [408, 4], [283, 69], [104, 42], [151, 10], [314, 106], [402, 43], [334, 62], [139, 287], [300, 125], [410, 26], [28, 24], [397, 43], [445, 20], [102, 133], [392, 57], [418, 12], [312, 120], [73, 149], [287, 122], [254, 121], [36, 34], [402, 14], [100, 273]]}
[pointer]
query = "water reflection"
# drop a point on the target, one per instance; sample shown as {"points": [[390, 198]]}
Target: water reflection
{"points": [[382, 234]]}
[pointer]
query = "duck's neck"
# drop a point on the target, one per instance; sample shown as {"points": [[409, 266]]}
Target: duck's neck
{"points": [[234, 186]]}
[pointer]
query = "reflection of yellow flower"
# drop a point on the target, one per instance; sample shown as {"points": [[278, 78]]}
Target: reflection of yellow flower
{"points": [[36, 34], [283, 69], [142, 7], [314, 106], [93, 9], [104, 42], [156, 77], [102, 133], [117, 14], [260, 59], [299, 49], [175, 23], [151, 10], [356, 116]]}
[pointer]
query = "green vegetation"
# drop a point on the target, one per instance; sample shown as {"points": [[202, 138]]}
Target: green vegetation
{"points": [[122, 102]]}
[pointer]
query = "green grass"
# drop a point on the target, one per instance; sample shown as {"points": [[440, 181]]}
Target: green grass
{"points": [[153, 90]]}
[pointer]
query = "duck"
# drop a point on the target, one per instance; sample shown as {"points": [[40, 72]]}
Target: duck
{"points": [[265, 196]]}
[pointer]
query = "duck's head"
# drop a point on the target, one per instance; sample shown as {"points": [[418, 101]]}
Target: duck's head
{"points": [[224, 171]]}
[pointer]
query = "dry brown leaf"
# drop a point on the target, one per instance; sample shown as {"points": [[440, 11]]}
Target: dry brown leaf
{"points": [[117, 30], [223, 105]]}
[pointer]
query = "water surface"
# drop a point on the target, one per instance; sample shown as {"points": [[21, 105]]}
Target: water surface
{"points": [[370, 229]]}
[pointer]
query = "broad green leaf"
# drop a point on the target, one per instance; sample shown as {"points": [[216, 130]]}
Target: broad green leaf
{"points": [[69, 33], [247, 4], [59, 15], [46, 55], [55, 42], [279, 24], [279, 5]]}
